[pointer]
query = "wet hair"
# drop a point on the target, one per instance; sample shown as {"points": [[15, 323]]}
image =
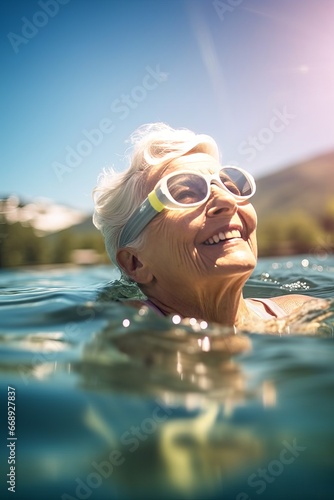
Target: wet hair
{"points": [[118, 194]]}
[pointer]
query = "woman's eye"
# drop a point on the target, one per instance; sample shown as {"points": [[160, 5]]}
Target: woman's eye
{"points": [[233, 188], [185, 196]]}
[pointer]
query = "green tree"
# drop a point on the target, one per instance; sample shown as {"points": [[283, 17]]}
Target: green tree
{"points": [[63, 244], [327, 220], [19, 246], [295, 232]]}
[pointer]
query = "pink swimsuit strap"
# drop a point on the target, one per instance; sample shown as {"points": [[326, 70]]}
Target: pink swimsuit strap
{"points": [[155, 308], [272, 309]]}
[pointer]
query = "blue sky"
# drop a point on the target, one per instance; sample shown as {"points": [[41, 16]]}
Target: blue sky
{"points": [[78, 76]]}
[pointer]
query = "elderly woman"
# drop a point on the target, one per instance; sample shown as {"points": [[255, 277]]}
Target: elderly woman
{"points": [[181, 226]]}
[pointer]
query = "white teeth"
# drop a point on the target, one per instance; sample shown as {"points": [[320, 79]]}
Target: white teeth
{"points": [[234, 233]]}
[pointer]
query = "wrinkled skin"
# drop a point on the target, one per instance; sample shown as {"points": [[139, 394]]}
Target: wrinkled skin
{"points": [[182, 274]]}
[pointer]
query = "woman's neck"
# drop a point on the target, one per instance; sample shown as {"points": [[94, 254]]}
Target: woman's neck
{"points": [[225, 305]]}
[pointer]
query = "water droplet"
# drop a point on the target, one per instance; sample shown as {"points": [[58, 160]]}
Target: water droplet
{"points": [[176, 319]]}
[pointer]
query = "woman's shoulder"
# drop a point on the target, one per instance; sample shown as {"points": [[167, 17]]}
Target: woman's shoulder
{"points": [[289, 303]]}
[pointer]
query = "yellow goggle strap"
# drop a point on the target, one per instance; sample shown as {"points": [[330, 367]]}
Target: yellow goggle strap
{"points": [[140, 218], [155, 202]]}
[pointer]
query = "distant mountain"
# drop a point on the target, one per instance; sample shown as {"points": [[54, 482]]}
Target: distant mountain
{"points": [[86, 226], [306, 186], [43, 215]]}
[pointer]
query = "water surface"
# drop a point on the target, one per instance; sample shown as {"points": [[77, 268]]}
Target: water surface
{"points": [[118, 403]]}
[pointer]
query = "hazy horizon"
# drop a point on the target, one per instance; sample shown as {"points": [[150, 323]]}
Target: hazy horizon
{"points": [[88, 211]]}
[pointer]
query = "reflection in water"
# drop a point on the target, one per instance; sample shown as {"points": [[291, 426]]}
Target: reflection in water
{"points": [[115, 402], [194, 385], [269, 394]]}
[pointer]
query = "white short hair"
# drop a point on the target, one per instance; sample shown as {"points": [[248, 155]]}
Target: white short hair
{"points": [[118, 195]]}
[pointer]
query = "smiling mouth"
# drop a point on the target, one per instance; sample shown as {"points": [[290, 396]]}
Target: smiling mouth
{"points": [[223, 236]]}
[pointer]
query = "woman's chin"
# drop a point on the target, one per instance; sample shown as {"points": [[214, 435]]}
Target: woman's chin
{"points": [[234, 252], [239, 262]]}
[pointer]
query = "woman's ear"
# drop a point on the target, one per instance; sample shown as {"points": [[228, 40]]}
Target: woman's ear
{"points": [[132, 265]]}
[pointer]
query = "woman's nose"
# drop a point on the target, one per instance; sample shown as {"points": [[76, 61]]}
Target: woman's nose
{"points": [[221, 202]]}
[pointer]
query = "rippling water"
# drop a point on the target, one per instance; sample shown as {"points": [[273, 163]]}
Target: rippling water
{"points": [[117, 403]]}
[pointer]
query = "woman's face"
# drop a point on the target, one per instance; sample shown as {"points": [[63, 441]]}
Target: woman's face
{"points": [[216, 239]]}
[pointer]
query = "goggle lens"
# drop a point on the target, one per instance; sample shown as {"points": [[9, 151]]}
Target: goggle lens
{"points": [[235, 181], [188, 188]]}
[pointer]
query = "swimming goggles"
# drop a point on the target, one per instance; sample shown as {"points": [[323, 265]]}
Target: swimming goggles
{"points": [[186, 189]]}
